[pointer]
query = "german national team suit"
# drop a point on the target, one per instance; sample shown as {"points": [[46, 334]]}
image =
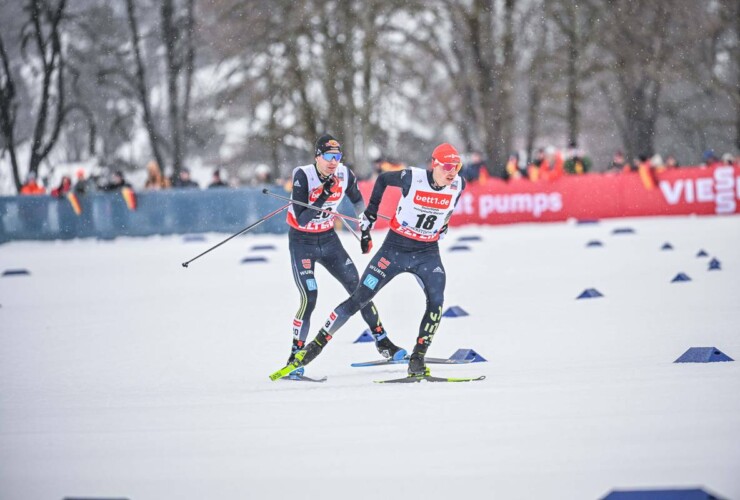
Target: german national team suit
{"points": [[312, 239], [428, 199]]}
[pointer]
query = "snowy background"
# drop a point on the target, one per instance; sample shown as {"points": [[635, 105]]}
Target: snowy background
{"points": [[123, 374]]}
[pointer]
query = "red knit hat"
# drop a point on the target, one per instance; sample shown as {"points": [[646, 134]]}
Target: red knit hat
{"points": [[446, 153]]}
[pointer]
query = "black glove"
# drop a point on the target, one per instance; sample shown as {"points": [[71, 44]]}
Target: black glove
{"points": [[366, 242], [443, 232], [366, 224], [327, 185], [367, 220]]}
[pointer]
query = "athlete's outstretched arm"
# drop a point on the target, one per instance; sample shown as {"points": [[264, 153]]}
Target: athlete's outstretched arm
{"points": [[400, 179]]}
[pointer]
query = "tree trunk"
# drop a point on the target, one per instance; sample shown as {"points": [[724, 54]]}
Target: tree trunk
{"points": [[53, 64], [8, 106], [169, 38], [141, 87], [573, 95]]}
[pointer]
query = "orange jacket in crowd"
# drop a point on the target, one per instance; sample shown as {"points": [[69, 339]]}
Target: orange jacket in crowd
{"points": [[545, 171], [31, 188]]}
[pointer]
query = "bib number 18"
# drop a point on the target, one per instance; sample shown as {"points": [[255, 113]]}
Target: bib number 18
{"points": [[425, 221]]}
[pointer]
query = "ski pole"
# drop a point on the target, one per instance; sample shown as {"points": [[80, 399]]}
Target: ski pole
{"points": [[357, 236], [300, 203], [263, 219]]}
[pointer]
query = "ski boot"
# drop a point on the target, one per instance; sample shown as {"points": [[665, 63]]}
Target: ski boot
{"points": [[386, 348], [298, 372], [312, 349], [417, 367]]}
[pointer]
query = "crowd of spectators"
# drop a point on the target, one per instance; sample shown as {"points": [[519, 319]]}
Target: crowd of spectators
{"points": [[116, 180], [550, 163], [547, 164]]}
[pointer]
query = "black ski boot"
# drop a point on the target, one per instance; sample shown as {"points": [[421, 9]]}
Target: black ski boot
{"points": [[313, 348], [417, 366], [386, 348]]}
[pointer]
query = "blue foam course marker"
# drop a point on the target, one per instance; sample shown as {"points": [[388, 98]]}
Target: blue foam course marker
{"points": [[365, 336], [623, 230], [455, 312], [666, 246], [249, 260], [460, 248], [594, 243], [714, 265], [703, 355], [680, 277], [468, 355], [263, 247], [16, 272], [672, 494], [469, 238], [702, 253], [590, 293]]}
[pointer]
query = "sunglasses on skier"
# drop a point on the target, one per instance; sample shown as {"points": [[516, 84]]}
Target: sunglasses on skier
{"points": [[448, 167], [332, 156]]}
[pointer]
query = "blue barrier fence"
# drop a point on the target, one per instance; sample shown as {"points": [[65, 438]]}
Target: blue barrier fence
{"points": [[106, 215]]}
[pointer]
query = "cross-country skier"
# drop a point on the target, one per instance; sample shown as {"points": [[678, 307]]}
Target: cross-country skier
{"points": [[428, 200], [312, 239]]}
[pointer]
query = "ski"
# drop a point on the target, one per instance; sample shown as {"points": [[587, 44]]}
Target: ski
{"points": [[412, 379], [286, 370], [303, 378], [431, 361]]}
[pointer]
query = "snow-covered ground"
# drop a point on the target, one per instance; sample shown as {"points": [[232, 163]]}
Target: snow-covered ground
{"points": [[122, 374]]}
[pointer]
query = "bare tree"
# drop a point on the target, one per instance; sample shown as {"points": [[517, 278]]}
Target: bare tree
{"points": [[8, 111], [489, 36], [637, 58], [579, 22], [178, 26], [41, 32]]}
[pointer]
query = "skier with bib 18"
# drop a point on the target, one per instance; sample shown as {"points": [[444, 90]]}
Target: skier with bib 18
{"points": [[422, 216], [312, 239]]}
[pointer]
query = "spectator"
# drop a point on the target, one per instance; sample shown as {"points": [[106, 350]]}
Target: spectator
{"points": [[512, 167], [728, 159], [154, 178], [64, 187], [618, 164], [577, 162], [117, 182], [31, 187], [216, 181], [552, 167], [656, 163], [709, 159], [183, 180], [476, 169], [262, 175], [382, 164], [82, 184], [671, 162], [533, 169]]}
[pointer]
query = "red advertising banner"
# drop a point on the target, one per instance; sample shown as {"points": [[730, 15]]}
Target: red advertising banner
{"points": [[686, 190]]}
